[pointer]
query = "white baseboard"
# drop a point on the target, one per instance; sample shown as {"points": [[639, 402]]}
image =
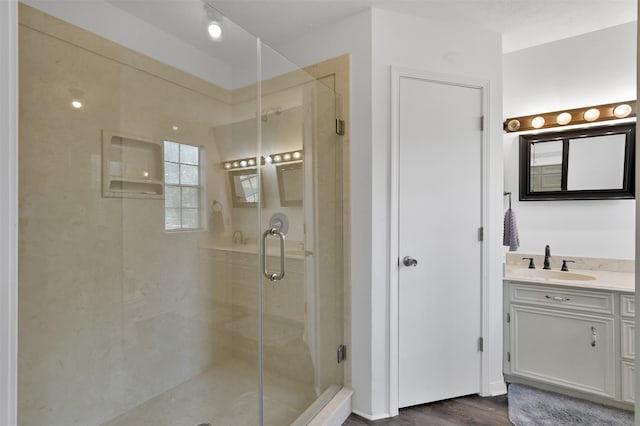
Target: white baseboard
{"points": [[497, 388], [372, 416]]}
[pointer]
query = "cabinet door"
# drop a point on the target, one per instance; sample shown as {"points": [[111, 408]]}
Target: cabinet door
{"points": [[564, 348]]}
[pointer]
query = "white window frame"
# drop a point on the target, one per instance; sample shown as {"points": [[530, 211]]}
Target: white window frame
{"points": [[200, 187]]}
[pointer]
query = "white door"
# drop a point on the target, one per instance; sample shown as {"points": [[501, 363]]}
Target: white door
{"points": [[440, 196]]}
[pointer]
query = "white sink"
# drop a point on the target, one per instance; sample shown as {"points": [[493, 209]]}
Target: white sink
{"points": [[552, 275]]}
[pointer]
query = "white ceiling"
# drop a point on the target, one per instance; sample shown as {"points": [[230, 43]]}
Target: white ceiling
{"points": [[522, 23]]}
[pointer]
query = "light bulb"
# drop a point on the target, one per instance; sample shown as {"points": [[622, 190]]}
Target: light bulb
{"points": [[145, 174], [297, 155], [243, 163], [175, 128], [622, 111], [287, 157], [592, 114], [563, 118], [277, 158], [537, 122], [267, 159], [227, 165], [215, 30], [513, 125], [76, 104], [235, 164], [252, 162]]}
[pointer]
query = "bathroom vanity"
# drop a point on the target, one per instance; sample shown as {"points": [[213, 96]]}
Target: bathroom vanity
{"points": [[571, 332]]}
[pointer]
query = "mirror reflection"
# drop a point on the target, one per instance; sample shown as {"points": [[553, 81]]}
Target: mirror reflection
{"points": [[290, 181], [591, 163], [244, 187], [596, 163], [546, 166]]}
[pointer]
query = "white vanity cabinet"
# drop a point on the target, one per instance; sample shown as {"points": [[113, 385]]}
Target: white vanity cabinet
{"points": [[570, 340]]}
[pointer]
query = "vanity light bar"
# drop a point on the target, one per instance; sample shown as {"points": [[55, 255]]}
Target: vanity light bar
{"points": [[590, 114], [281, 157], [241, 163], [284, 157]]}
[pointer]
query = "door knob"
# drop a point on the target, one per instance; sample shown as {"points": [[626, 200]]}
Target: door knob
{"points": [[409, 261]]}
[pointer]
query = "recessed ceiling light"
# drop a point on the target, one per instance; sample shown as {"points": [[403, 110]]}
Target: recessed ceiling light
{"points": [[76, 104], [175, 127]]}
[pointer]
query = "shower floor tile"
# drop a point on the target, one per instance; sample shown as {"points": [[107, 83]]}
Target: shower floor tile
{"points": [[224, 395]]}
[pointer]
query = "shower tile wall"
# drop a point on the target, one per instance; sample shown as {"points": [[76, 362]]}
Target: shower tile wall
{"points": [[112, 310], [116, 315]]}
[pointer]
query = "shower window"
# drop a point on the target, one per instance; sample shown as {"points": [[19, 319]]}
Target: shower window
{"points": [[183, 187]]}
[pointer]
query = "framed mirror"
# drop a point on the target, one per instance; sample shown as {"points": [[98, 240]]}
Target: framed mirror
{"points": [[290, 181], [583, 164], [244, 188]]}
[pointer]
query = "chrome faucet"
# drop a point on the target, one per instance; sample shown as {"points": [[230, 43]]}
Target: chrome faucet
{"points": [[547, 255], [239, 240]]}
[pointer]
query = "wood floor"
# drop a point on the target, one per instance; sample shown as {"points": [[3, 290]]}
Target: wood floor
{"points": [[464, 411]]}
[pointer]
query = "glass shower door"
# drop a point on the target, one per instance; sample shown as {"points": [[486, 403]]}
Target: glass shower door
{"points": [[139, 260], [302, 311]]}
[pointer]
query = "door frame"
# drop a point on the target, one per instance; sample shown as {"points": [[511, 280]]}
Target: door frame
{"points": [[8, 212], [394, 308]]}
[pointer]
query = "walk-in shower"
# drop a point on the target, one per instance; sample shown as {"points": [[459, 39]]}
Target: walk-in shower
{"points": [[153, 289]]}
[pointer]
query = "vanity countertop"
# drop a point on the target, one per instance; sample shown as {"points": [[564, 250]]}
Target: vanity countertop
{"points": [[292, 251], [595, 279]]}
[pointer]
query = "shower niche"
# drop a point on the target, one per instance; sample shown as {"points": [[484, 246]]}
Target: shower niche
{"points": [[132, 167]]}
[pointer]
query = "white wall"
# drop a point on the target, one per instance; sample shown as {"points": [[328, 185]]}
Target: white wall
{"points": [[450, 48], [591, 69], [8, 211], [401, 40], [353, 35]]}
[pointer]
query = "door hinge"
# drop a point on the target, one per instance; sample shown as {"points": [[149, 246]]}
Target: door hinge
{"points": [[481, 344], [508, 356], [508, 317], [340, 126], [481, 233], [482, 122], [342, 353]]}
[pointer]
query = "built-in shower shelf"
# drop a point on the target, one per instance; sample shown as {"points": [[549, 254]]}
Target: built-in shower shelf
{"points": [[132, 167]]}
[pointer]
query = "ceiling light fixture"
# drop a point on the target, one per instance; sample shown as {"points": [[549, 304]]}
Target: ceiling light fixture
{"points": [[214, 22], [215, 30], [588, 114]]}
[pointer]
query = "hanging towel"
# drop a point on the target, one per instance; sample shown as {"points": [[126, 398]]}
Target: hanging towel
{"points": [[510, 236], [216, 220]]}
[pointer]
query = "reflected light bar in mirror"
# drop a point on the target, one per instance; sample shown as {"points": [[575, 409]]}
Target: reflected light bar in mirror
{"points": [[277, 158], [589, 114]]}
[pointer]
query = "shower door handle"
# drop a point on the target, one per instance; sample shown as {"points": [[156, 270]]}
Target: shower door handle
{"points": [[276, 233]]}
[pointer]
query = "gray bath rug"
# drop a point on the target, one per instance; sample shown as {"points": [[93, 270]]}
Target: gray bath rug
{"points": [[533, 407]]}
